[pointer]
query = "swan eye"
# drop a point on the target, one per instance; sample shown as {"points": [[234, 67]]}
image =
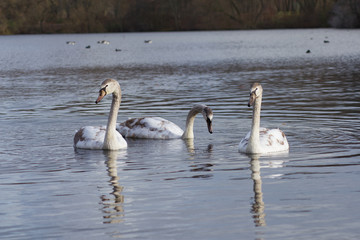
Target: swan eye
{"points": [[254, 92], [104, 89]]}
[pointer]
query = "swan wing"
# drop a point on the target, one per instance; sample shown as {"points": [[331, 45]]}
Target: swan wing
{"points": [[244, 142], [273, 140], [119, 143], [149, 127], [90, 137]]}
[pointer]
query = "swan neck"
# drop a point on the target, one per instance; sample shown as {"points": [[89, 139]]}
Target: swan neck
{"points": [[189, 128], [115, 104], [254, 141], [111, 124]]}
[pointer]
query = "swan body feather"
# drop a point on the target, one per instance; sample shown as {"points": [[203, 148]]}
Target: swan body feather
{"points": [[271, 140], [149, 127], [92, 137]]}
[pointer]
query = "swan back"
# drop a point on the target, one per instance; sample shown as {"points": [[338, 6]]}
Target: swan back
{"points": [[149, 127], [270, 140], [92, 137]]}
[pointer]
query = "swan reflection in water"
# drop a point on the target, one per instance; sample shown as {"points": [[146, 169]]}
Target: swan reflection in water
{"points": [[113, 200], [190, 147], [113, 203], [258, 206], [195, 164]]}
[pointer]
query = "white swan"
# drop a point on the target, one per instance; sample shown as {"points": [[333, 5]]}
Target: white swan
{"points": [[261, 140], [160, 128], [103, 137]]}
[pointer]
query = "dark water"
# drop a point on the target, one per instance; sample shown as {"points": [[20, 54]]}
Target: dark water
{"points": [[175, 189]]}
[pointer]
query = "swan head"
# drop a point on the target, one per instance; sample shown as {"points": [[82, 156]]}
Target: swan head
{"points": [[255, 92], [208, 116], [108, 86]]}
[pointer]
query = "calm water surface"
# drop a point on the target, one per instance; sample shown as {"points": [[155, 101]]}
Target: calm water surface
{"points": [[174, 189]]}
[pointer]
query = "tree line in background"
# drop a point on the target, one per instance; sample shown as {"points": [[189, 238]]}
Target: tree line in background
{"points": [[84, 16]]}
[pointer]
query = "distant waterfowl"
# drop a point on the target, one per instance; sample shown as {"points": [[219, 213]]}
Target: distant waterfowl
{"points": [[70, 42], [103, 42], [148, 41], [117, 50], [308, 51], [103, 137], [261, 140], [88, 47], [160, 128], [326, 41]]}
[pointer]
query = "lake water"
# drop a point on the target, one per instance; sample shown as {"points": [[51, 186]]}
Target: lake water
{"points": [[164, 189]]}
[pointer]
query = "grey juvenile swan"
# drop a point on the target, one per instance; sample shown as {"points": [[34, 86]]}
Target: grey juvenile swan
{"points": [[103, 137], [160, 128], [261, 140]]}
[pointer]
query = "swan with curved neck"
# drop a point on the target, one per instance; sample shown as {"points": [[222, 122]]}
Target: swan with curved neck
{"points": [[261, 140], [160, 128], [103, 137]]}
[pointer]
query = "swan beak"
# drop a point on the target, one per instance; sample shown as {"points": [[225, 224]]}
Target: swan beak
{"points": [[102, 94], [209, 125], [252, 99]]}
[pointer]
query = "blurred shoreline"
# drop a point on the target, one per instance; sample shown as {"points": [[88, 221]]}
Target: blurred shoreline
{"points": [[91, 16]]}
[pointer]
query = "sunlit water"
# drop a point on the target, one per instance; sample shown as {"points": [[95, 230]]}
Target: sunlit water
{"points": [[169, 189]]}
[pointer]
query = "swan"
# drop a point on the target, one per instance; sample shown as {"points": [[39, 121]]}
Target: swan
{"points": [[103, 137], [160, 128], [261, 140]]}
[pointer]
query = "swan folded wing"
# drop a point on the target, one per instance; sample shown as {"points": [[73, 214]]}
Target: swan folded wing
{"points": [[90, 137], [273, 140], [154, 127], [244, 142], [122, 142]]}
